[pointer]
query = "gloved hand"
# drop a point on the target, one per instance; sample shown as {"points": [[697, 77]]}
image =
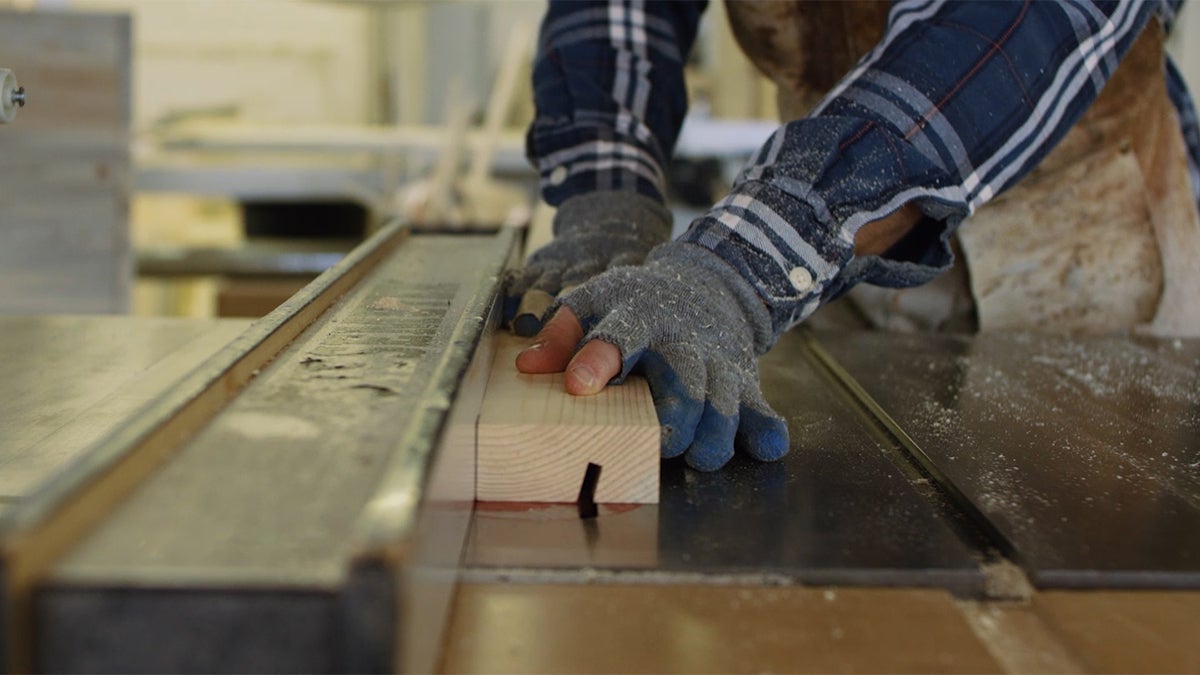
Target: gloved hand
{"points": [[689, 323], [592, 232]]}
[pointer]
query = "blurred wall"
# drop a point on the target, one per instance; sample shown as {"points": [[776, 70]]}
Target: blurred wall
{"points": [[265, 60], [350, 61]]}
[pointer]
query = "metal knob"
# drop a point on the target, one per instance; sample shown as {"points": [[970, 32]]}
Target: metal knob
{"points": [[12, 96]]}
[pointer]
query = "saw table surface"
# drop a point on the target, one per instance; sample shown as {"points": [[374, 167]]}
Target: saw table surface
{"points": [[996, 469], [944, 500], [1084, 453]]}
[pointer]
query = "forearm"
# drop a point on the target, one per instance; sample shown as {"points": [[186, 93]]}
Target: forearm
{"points": [[876, 237], [610, 95], [956, 103]]}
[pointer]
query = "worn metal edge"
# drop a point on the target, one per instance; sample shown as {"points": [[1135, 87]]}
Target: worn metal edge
{"points": [[382, 535], [40, 529], [104, 453], [964, 581], [391, 512], [240, 627], [1141, 580], [369, 606]]}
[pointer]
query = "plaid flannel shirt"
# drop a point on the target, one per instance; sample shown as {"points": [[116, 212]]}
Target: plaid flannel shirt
{"points": [[957, 102]]}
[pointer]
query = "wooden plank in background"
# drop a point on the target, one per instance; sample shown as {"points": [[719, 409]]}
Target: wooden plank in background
{"points": [[64, 164], [535, 440]]}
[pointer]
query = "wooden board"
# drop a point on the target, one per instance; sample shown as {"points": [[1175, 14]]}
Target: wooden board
{"points": [[64, 164], [535, 440]]}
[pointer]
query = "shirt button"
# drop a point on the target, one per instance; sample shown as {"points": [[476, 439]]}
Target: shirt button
{"points": [[558, 175], [800, 278]]}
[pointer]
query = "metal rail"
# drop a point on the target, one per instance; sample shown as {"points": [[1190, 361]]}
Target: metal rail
{"points": [[47, 539]]}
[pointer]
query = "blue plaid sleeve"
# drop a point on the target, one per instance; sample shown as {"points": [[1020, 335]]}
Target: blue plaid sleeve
{"points": [[609, 94], [957, 102]]}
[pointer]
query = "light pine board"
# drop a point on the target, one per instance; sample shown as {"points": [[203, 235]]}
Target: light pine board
{"points": [[535, 440]]}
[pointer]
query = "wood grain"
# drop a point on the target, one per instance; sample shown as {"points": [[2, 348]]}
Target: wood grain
{"points": [[535, 440]]}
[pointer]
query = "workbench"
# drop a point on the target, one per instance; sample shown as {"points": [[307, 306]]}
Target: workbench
{"points": [[296, 494]]}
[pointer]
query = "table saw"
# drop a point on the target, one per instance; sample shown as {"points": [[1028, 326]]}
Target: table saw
{"points": [[297, 494]]}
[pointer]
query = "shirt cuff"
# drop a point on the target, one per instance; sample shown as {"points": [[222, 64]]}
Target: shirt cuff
{"points": [[574, 161], [796, 261]]}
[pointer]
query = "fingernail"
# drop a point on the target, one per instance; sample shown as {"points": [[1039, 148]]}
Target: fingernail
{"points": [[584, 375], [534, 347]]}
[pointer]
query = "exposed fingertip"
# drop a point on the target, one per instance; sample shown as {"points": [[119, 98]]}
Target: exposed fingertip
{"points": [[593, 366], [539, 345], [542, 357], [582, 380]]}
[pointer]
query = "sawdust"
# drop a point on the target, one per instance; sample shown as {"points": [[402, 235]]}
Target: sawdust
{"points": [[262, 426], [1032, 419]]}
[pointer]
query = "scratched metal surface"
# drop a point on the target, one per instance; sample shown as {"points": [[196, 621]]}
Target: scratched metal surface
{"points": [[1084, 452], [266, 499], [841, 507], [68, 380]]}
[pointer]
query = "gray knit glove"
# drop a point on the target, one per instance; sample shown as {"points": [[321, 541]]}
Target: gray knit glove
{"points": [[592, 232], [689, 323]]}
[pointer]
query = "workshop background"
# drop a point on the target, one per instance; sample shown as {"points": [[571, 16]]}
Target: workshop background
{"points": [[206, 158], [197, 158]]}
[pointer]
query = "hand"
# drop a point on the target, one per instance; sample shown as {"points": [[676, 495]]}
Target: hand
{"points": [[592, 233], [694, 328]]}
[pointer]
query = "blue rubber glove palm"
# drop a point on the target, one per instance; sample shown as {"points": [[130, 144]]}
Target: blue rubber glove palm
{"points": [[694, 328]]}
